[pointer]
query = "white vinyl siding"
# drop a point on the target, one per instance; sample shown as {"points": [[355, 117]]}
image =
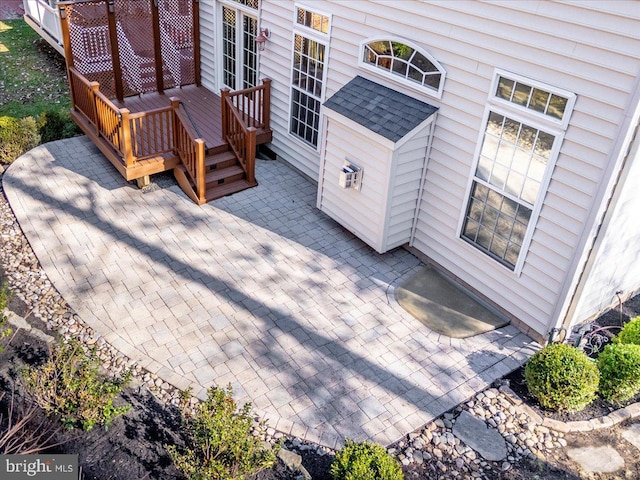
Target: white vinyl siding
{"points": [[358, 211], [615, 267], [207, 44], [589, 48], [471, 39], [405, 184]]}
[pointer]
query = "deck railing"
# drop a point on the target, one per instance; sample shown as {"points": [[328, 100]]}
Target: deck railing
{"points": [[242, 140], [190, 148], [244, 113], [152, 132], [137, 136], [253, 104]]}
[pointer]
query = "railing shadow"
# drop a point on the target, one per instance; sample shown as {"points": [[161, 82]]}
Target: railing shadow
{"points": [[345, 378]]}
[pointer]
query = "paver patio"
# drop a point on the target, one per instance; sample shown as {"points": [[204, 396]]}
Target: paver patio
{"points": [[260, 290]]}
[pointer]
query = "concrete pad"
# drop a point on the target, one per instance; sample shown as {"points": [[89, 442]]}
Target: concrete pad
{"points": [[597, 459], [445, 307], [632, 435], [477, 435]]}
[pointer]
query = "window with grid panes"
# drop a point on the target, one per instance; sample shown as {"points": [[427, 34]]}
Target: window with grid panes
{"points": [[513, 164], [307, 77], [399, 60]]}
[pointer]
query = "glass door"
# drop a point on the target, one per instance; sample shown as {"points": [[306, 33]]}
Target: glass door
{"points": [[239, 53]]}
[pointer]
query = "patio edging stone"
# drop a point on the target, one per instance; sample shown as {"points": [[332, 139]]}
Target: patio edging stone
{"points": [[630, 412]]}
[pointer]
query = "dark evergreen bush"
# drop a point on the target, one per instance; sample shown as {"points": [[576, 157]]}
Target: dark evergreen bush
{"points": [[561, 377], [55, 126]]}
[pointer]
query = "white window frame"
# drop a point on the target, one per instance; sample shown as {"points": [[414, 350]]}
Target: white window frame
{"points": [[384, 73], [244, 10], [316, 36], [530, 118], [549, 121]]}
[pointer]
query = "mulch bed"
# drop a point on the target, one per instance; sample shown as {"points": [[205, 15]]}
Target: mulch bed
{"points": [[598, 408]]}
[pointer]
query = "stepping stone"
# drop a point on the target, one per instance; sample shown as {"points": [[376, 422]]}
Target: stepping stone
{"points": [[479, 436], [632, 435], [597, 459]]}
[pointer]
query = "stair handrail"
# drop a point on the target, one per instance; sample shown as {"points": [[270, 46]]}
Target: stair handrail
{"points": [[190, 148], [240, 136], [193, 123], [253, 104]]}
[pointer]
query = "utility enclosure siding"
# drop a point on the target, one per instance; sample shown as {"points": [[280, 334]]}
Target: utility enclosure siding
{"points": [[208, 44], [616, 267], [405, 187], [569, 46], [358, 211]]}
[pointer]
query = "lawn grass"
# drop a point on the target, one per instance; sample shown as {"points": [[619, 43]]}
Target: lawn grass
{"points": [[32, 74]]}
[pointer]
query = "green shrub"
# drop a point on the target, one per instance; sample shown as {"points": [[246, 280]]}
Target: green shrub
{"points": [[220, 444], [17, 136], [365, 461], [630, 333], [54, 125], [68, 384], [5, 295], [619, 366], [561, 377]]}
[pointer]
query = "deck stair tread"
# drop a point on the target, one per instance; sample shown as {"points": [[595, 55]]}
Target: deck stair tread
{"points": [[223, 173], [212, 161], [228, 189]]}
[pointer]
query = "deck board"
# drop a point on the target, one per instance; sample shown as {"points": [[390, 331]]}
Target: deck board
{"points": [[202, 104]]}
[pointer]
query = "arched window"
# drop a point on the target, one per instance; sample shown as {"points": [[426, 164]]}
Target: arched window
{"points": [[403, 61]]}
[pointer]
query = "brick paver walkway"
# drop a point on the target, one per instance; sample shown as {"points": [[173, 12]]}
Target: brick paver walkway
{"points": [[260, 290]]}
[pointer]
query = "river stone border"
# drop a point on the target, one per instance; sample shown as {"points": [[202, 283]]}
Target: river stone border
{"points": [[630, 412]]}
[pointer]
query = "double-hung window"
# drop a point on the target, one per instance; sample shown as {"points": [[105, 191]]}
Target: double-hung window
{"points": [[523, 128], [311, 34]]}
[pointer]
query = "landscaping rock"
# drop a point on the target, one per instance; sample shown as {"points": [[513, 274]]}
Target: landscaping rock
{"points": [[293, 461], [597, 459], [485, 440]]}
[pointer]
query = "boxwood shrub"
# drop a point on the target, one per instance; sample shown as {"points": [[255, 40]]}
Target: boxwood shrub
{"points": [[17, 136], [630, 333], [619, 366], [365, 461], [562, 377]]}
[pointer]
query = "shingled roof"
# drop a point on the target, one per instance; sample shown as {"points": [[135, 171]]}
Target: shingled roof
{"points": [[382, 110]]}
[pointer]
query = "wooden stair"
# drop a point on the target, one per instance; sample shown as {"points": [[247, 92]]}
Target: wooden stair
{"points": [[223, 176]]}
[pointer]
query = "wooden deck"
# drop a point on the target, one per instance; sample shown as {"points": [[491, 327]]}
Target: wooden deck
{"points": [[202, 105]]}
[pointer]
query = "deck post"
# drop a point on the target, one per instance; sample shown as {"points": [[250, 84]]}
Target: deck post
{"points": [[126, 140], [68, 54], [266, 104], [200, 177], [115, 50], [196, 41], [224, 94], [95, 88], [157, 47], [175, 104], [250, 153]]}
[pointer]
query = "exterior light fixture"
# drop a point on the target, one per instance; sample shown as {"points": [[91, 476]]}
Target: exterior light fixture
{"points": [[262, 38]]}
